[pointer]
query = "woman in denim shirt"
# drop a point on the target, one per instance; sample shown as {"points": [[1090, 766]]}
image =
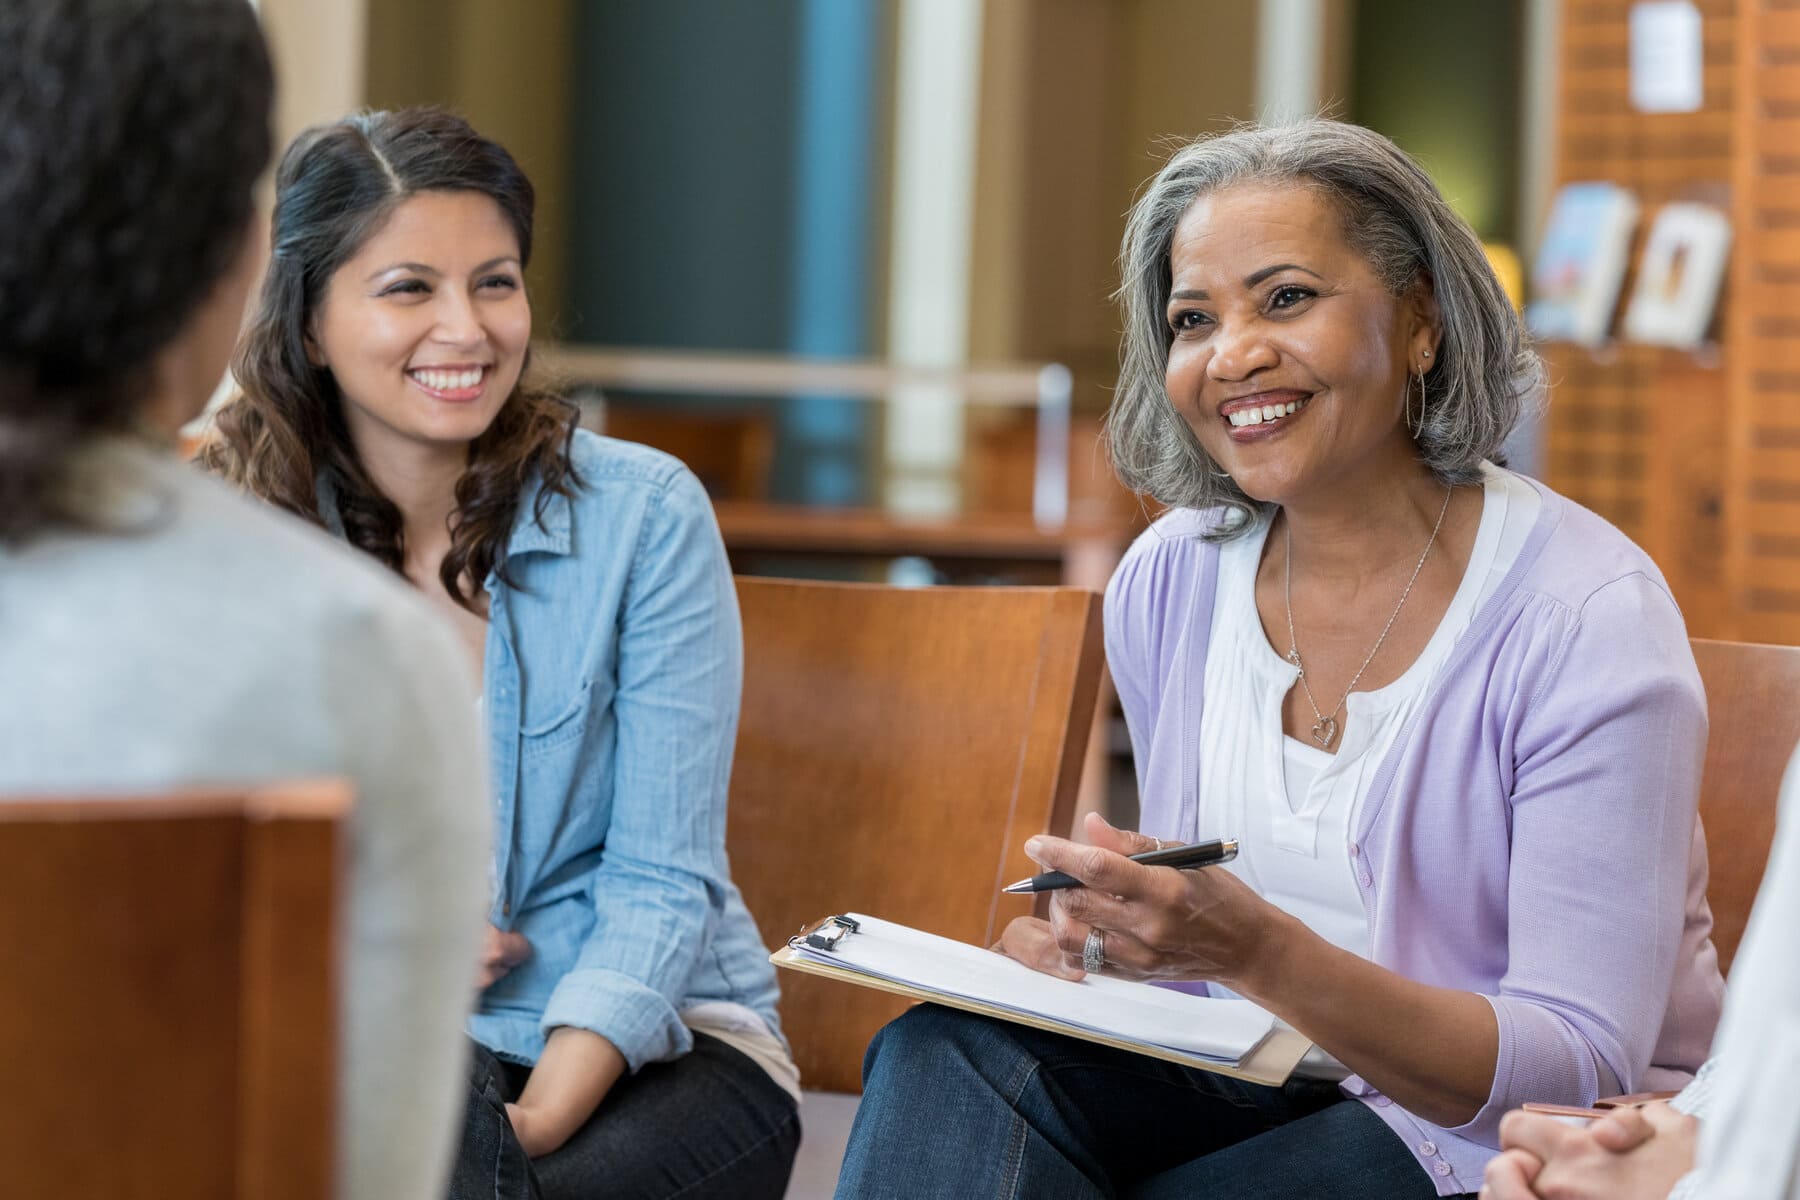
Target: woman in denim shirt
{"points": [[626, 1028]]}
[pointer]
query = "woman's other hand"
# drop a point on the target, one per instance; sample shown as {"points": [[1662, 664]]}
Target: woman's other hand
{"points": [[1031, 941], [501, 951], [1158, 923], [573, 1075]]}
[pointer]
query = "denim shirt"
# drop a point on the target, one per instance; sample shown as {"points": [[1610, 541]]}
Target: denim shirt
{"points": [[613, 669]]}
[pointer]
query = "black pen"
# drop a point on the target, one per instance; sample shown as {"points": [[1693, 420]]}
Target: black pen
{"points": [[1182, 858]]}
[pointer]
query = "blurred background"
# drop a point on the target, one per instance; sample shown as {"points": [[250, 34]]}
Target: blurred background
{"points": [[930, 194]]}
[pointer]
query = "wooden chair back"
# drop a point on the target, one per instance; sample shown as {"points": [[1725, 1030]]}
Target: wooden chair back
{"points": [[1000, 468], [1753, 710], [896, 748], [168, 997], [729, 451]]}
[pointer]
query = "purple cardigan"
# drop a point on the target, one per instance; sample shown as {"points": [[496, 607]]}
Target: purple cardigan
{"points": [[1531, 836]]}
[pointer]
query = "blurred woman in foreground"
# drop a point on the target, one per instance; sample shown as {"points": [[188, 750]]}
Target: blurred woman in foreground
{"points": [[158, 631]]}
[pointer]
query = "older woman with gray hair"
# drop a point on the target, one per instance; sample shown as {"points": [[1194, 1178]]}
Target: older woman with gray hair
{"points": [[1451, 717]]}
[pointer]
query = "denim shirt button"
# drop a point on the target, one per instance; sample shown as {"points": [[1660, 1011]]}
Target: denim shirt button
{"points": [[1443, 1168], [1428, 1149]]}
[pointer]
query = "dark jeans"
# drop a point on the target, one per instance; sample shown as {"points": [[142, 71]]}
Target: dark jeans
{"points": [[957, 1105], [709, 1124]]}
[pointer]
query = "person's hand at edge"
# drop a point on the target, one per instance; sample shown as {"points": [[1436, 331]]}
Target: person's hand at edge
{"points": [[573, 1075], [1630, 1154], [501, 951]]}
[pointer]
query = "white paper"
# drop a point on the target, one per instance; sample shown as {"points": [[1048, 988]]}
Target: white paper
{"points": [[1667, 74], [1224, 1031]]}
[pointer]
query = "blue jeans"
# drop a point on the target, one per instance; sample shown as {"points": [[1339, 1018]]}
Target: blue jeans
{"points": [[957, 1105], [710, 1125]]}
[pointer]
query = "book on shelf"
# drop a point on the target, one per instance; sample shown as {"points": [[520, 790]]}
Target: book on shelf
{"points": [[1679, 276], [1581, 263]]}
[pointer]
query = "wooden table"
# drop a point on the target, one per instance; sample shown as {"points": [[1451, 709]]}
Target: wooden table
{"points": [[1083, 553]]}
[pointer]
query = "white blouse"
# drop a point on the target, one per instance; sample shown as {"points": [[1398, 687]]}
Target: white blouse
{"points": [[1292, 805]]}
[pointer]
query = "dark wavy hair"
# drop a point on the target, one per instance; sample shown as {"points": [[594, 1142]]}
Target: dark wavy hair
{"points": [[131, 136], [284, 433]]}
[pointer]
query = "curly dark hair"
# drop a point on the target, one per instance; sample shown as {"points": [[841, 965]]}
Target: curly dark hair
{"points": [[131, 135], [337, 185]]}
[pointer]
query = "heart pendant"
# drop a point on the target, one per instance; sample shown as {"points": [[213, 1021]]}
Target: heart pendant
{"points": [[1324, 732]]}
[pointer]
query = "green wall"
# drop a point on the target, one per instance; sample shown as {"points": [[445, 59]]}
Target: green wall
{"points": [[683, 173], [1442, 78]]}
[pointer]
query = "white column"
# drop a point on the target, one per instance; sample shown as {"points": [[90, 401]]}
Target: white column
{"points": [[936, 100], [1537, 171], [1290, 43], [1537, 121], [318, 48]]}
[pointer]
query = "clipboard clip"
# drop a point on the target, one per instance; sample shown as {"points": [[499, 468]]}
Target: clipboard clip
{"points": [[828, 933]]}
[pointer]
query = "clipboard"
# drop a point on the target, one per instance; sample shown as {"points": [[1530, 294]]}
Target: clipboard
{"points": [[1269, 1061]]}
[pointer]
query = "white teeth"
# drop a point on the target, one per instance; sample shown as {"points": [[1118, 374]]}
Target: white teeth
{"points": [[1268, 412], [446, 381]]}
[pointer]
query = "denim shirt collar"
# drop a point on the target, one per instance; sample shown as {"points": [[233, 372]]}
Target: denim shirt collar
{"points": [[550, 534]]}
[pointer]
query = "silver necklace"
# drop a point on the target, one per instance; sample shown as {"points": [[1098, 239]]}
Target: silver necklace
{"points": [[1325, 729]]}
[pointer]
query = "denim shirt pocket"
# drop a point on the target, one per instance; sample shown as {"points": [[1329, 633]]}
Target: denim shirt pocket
{"points": [[564, 727]]}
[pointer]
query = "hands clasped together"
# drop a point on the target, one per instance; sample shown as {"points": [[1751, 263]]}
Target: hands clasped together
{"points": [[1155, 922], [1631, 1154]]}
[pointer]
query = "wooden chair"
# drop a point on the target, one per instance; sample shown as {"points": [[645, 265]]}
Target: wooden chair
{"points": [[1753, 709], [896, 748], [168, 999], [729, 451]]}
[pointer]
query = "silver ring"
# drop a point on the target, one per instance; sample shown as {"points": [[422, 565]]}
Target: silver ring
{"points": [[1093, 952], [1158, 842]]}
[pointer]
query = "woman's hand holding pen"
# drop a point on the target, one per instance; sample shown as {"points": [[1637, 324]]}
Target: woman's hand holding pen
{"points": [[1156, 923], [1432, 1050]]}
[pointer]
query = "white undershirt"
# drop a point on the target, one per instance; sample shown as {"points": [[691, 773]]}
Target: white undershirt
{"points": [[1291, 805]]}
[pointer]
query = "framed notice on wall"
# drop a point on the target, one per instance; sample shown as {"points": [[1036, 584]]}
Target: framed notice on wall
{"points": [[1667, 66]]}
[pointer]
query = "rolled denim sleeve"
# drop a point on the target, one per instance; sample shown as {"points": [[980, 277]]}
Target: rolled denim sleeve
{"points": [[661, 885], [1606, 783]]}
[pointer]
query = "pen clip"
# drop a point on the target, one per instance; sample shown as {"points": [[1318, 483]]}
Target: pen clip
{"points": [[828, 933]]}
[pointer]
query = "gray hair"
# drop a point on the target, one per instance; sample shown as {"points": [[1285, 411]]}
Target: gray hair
{"points": [[1393, 216]]}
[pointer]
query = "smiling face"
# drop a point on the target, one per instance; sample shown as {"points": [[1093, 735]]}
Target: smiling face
{"points": [[425, 328], [1289, 358]]}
